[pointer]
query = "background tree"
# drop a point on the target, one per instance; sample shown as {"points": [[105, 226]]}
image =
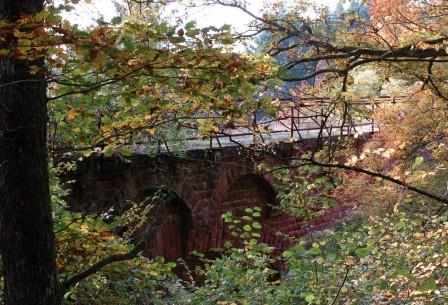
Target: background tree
{"points": [[408, 45]]}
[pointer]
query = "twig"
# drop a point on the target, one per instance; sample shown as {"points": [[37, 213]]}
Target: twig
{"points": [[342, 285]]}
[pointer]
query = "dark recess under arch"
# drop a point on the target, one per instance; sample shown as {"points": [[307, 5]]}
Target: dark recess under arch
{"points": [[167, 228]]}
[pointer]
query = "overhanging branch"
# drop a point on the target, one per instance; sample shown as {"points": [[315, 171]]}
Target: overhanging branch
{"points": [[67, 284], [428, 194]]}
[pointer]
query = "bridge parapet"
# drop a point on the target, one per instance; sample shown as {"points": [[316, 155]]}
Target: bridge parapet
{"points": [[296, 120]]}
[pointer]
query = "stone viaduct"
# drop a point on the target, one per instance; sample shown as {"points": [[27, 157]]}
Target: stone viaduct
{"points": [[214, 177], [203, 184]]}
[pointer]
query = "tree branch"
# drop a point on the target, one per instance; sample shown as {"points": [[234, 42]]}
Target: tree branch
{"points": [[67, 284], [428, 194]]}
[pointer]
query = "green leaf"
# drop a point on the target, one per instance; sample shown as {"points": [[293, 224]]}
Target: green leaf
{"points": [[310, 298], [271, 111], [284, 73], [400, 225], [288, 254], [299, 249], [315, 250], [226, 79], [190, 25], [256, 225], [430, 285], [116, 20], [328, 202], [331, 256], [417, 162], [193, 33], [363, 252], [247, 228]]}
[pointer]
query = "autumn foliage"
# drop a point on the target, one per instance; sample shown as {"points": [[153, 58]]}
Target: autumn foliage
{"points": [[142, 78]]}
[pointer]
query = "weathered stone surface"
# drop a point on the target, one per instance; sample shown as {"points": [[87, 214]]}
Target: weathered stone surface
{"points": [[206, 184]]}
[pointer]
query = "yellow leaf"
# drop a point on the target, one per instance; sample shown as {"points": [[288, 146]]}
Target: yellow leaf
{"points": [[72, 114], [350, 261]]}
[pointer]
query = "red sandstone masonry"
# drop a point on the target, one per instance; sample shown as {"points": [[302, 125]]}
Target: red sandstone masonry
{"points": [[206, 192]]}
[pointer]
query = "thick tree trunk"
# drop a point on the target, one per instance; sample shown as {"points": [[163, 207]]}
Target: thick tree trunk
{"points": [[26, 237]]}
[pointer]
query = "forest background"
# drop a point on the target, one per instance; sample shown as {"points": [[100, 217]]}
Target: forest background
{"points": [[66, 89]]}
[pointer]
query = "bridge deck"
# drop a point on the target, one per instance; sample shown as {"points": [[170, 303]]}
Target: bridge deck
{"points": [[304, 119]]}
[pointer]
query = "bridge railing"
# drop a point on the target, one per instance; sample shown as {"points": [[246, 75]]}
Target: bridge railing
{"points": [[297, 120]]}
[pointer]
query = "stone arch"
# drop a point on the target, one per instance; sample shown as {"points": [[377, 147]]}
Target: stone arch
{"points": [[249, 190], [166, 231], [228, 177], [230, 174], [188, 195]]}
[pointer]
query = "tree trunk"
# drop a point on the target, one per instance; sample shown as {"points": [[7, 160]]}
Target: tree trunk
{"points": [[26, 236]]}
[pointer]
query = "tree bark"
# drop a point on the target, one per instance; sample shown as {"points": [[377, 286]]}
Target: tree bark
{"points": [[26, 235]]}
